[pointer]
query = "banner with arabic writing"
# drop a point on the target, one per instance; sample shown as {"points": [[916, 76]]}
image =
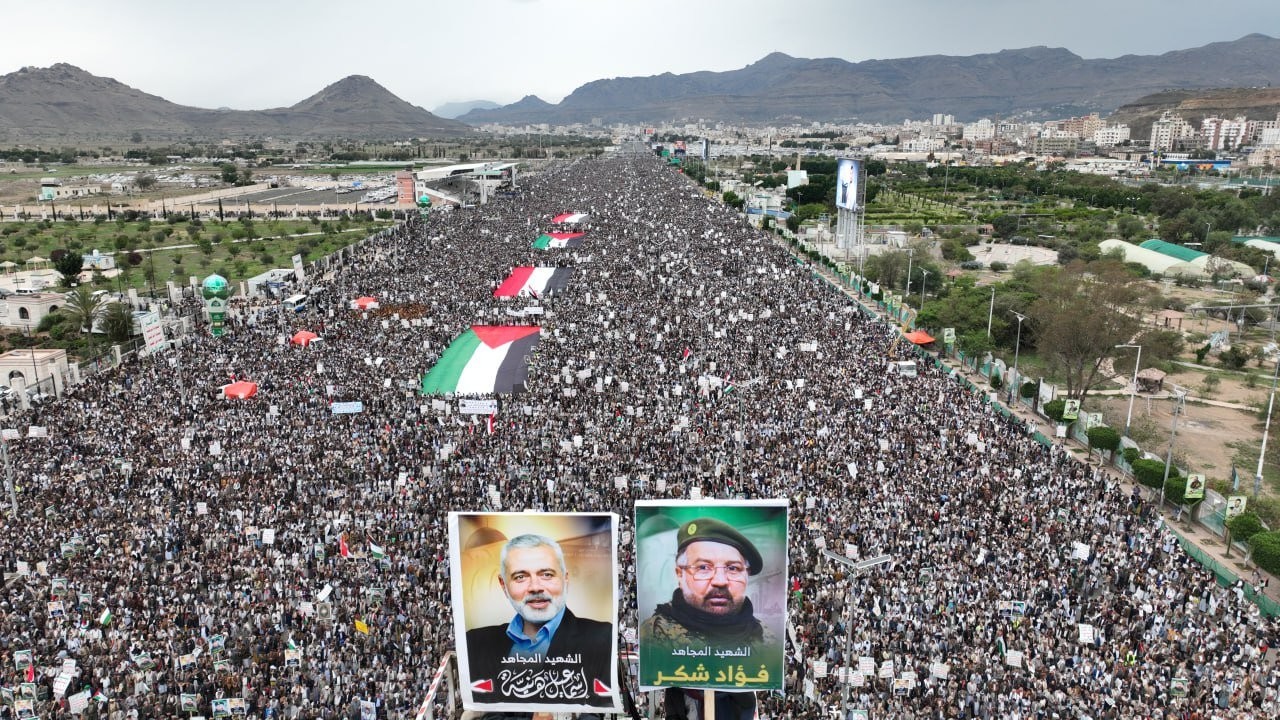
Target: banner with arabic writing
{"points": [[711, 582], [534, 610]]}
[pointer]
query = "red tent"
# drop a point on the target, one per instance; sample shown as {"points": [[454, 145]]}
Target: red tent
{"points": [[366, 302], [240, 390], [304, 338], [919, 337]]}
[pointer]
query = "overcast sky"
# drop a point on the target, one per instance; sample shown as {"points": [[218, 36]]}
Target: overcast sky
{"points": [[257, 54]]}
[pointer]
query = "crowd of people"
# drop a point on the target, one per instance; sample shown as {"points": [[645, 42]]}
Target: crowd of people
{"points": [[220, 548]]}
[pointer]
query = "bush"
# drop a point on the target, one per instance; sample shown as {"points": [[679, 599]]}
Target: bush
{"points": [[1103, 438], [996, 381], [1028, 390], [971, 265], [1150, 472], [1176, 490], [998, 266], [1054, 409], [1266, 551], [1244, 526], [48, 321], [1233, 358], [1131, 455]]}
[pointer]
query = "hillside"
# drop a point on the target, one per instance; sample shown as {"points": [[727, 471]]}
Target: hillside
{"points": [[67, 104], [1037, 82]]}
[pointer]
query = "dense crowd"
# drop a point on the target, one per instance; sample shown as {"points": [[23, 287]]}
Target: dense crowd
{"points": [[688, 350]]}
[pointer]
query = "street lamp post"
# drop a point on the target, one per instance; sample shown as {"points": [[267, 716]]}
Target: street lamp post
{"points": [[924, 280], [1257, 476], [857, 569], [1017, 346], [1180, 398], [991, 310], [1134, 388], [910, 256]]}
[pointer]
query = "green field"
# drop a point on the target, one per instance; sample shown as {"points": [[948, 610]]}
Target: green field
{"points": [[162, 251]]}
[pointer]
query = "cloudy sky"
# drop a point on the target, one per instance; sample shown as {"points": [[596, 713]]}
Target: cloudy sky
{"points": [[256, 54]]}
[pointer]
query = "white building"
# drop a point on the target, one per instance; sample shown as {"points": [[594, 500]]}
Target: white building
{"points": [[1222, 134], [922, 144], [1110, 135], [1170, 131], [984, 129]]}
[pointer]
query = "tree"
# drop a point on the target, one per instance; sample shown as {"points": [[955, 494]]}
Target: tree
{"points": [[1130, 227], [229, 172], [1080, 318], [1103, 438], [145, 182], [1006, 225], [83, 308], [117, 322], [70, 265]]}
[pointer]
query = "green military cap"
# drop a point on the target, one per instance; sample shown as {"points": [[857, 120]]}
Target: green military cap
{"points": [[708, 529]]}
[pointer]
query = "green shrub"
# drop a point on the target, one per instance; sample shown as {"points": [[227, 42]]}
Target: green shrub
{"points": [[48, 321], [996, 381], [1266, 551], [1028, 390], [1131, 455], [1176, 489], [998, 266], [1244, 526], [1054, 409], [1150, 472], [1103, 438]]}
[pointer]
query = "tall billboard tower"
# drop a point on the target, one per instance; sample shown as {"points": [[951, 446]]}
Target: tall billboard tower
{"points": [[851, 177]]}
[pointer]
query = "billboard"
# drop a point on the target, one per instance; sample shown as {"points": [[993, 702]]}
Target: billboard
{"points": [[534, 608], [848, 176], [711, 582]]}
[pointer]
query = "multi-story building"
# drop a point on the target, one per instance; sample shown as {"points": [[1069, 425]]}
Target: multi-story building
{"points": [[1221, 134], [1055, 143], [1170, 132], [1111, 135], [941, 119], [1081, 127], [984, 129]]}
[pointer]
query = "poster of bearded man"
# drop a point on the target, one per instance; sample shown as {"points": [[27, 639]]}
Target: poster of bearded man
{"points": [[535, 610]]}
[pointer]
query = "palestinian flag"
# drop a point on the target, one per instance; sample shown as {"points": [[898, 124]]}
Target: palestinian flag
{"points": [[566, 218], [105, 617], [377, 552], [558, 240], [533, 281], [485, 359]]}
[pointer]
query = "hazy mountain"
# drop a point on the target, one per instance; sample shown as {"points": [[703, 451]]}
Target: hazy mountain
{"points": [[67, 103], [531, 106], [1194, 106], [455, 110], [1038, 82]]}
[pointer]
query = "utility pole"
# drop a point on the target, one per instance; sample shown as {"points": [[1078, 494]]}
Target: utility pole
{"points": [[1180, 398], [8, 479], [1134, 389], [1017, 346], [1257, 476]]}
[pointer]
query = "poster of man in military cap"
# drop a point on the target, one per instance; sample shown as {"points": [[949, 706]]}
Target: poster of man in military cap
{"points": [[712, 593]]}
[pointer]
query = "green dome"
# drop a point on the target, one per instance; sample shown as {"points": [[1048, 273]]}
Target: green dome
{"points": [[215, 286]]}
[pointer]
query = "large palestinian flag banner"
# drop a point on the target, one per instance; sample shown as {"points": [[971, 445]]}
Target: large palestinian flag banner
{"points": [[533, 281], [566, 218], [486, 359], [558, 240]]}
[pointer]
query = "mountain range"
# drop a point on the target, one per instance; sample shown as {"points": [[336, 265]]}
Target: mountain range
{"points": [[1196, 105], [66, 103], [1035, 83], [452, 110]]}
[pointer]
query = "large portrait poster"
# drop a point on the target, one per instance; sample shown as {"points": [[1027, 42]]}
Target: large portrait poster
{"points": [[534, 610], [712, 591]]}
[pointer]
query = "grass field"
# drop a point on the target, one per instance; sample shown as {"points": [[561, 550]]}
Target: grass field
{"points": [[164, 251]]}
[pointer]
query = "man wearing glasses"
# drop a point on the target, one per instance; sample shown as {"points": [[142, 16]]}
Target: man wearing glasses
{"points": [[710, 606]]}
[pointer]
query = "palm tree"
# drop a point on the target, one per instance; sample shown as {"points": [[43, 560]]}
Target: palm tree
{"points": [[83, 308], [117, 322]]}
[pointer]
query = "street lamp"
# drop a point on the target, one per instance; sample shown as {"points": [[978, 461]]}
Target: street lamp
{"points": [[1017, 346], [857, 569], [1134, 388], [1180, 398], [1257, 477], [910, 255], [924, 280], [991, 310]]}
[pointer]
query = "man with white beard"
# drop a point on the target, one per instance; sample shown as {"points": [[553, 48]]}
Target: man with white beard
{"points": [[546, 653]]}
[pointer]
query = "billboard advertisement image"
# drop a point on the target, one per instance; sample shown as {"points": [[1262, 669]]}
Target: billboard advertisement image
{"points": [[848, 175], [534, 610], [711, 587]]}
